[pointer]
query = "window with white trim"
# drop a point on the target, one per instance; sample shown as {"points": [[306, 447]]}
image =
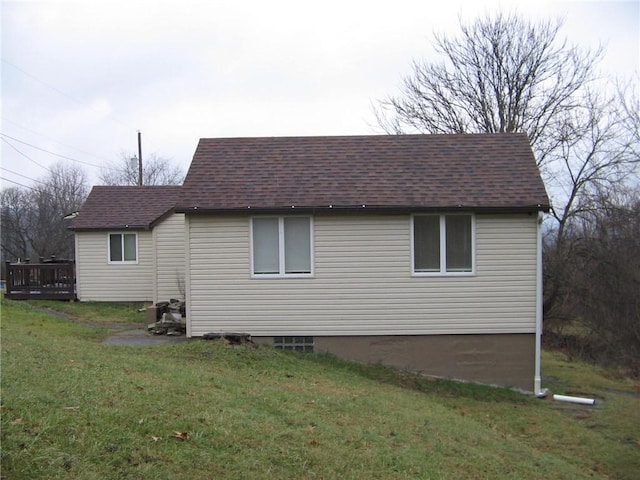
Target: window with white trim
{"points": [[123, 248], [443, 244], [281, 246]]}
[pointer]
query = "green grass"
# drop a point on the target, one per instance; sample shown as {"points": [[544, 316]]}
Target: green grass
{"points": [[96, 312], [74, 408]]}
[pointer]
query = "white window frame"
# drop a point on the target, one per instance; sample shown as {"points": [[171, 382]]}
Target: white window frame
{"points": [[123, 261], [443, 247], [281, 249]]}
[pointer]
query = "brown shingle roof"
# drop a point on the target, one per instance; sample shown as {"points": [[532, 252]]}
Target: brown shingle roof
{"points": [[481, 171], [110, 207]]}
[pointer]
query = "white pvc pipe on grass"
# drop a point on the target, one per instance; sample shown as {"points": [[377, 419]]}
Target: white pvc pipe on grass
{"points": [[581, 400]]}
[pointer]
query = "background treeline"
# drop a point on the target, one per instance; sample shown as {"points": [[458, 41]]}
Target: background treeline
{"points": [[33, 223], [592, 284]]}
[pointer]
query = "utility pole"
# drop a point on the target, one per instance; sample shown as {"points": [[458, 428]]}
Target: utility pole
{"points": [[139, 158]]}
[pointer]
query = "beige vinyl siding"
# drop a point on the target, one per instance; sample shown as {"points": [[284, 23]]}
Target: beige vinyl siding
{"points": [[168, 238], [100, 281], [363, 283]]}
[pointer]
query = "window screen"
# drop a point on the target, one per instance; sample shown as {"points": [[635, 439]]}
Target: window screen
{"points": [[297, 245], [266, 258], [129, 247], [115, 247], [458, 232], [426, 234]]}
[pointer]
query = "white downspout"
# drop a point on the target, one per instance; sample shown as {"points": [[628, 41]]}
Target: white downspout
{"points": [[187, 274], [537, 379]]}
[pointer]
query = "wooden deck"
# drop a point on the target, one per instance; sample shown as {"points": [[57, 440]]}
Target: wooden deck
{"points": [[48, 280]]}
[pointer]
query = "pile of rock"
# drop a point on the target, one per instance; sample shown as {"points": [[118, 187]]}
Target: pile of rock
{"points": [[169, 318]]}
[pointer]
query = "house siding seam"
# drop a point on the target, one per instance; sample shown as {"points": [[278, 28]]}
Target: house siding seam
{"points": [[169, 244], [362, 283], [103, 282]]}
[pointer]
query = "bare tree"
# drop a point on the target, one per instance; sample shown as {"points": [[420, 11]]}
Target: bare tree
{"points": [[16, 219], [596, 150], [33, 222], [628, 98], [156, 170], [61, 192], [503, 74]]}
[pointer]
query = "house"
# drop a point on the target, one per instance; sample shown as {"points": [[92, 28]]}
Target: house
{"points": [[129, 245], [417, 251]]}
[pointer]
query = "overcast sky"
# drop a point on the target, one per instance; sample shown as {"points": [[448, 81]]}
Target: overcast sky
{"points": [[79, 79]]}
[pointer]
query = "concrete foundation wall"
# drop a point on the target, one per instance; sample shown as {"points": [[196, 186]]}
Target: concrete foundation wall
{"points": [[499, 359]]}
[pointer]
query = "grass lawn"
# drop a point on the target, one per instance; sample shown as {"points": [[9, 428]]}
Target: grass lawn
{"points": [[108, 314], [74, 408]]}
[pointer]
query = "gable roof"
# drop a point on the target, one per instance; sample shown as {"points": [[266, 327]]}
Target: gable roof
{"points": [[383, 172], [133, 207]]}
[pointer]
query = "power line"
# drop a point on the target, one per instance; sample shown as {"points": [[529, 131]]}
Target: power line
{"points": [[24, 155], [113, 119], [56, 154], [28, 158], [47, 151], [21, 175], [42, 192], [17, 183], [54, 140]]}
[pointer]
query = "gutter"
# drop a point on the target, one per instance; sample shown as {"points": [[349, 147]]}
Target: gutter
{"points": [[112, 227], [334, 209]]}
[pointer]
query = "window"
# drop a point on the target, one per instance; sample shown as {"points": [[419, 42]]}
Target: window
{"points": [[281, 246], [123, 248], [443, 244], [298, 344]]}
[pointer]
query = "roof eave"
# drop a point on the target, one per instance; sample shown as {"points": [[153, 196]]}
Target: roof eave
{"points": [[111, 227], [146, 226], [381, 209]]}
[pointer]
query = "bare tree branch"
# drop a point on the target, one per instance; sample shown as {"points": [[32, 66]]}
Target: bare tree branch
{"points": [[502, 74], [156, 170]]}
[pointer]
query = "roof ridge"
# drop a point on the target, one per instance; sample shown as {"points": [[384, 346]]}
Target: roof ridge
{"points": [[375, 135]]}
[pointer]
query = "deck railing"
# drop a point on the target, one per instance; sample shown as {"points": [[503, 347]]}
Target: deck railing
{"points": [[47, 280]]}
